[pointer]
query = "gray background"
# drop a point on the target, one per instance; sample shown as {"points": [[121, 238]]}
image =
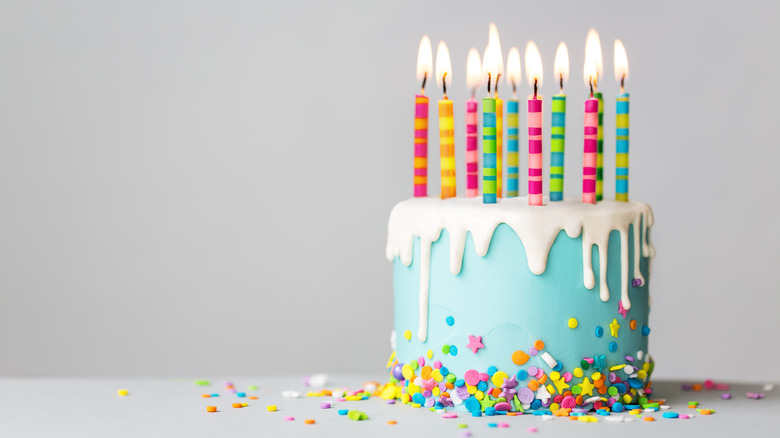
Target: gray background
{"points": [[192, 188]]}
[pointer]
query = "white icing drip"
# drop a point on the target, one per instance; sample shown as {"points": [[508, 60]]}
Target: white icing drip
{"points": [[537, 227]]}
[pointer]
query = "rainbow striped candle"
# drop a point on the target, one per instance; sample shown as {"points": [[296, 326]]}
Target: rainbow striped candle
{"points": [[512, 147], [535, 151], [488, 151], [590, 157], [557, 146], [472, 171], [600, 148], [621, 146], [420, 146], [499, 145], [447, 148]]}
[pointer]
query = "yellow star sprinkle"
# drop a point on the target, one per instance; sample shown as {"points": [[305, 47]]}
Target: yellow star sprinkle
{"points": [[587, 387], [560, 385], [613, 328]]}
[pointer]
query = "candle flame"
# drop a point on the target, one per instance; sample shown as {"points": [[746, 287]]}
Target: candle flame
{"points": [[561, 67], [593, 53], [513, 72], [424, 59], [533, 64], [473, 70], [493, 40], [490, 64], [621, 62], [443, 66]]}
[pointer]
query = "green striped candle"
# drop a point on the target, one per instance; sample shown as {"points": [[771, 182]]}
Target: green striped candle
{"points": [[557, 146], [600, 149], [488, 150]]}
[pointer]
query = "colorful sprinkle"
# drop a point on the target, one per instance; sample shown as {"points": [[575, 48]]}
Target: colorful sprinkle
{"points": [[408, 335], [450, 321], [475, 343], [573, 323], [211, 409]]}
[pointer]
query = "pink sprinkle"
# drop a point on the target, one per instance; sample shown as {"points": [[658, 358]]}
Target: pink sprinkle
{"points": [[684, 416], [589, 360], [437, 365], [421, 361], [532, 430], [289, 418], [504, 425], [722, 386], [567, 377], [709, 384], [449, 415], [341, 399]]}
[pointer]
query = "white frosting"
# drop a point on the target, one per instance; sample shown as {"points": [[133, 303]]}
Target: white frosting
{"points": [[536, 226]]}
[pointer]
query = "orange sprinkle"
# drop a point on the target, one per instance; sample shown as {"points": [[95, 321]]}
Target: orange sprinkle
{"points": [[648, 419], [449, 385], [445, 394], [496, 392], [705, 412], [602, 390], [533, 385], [543, 379], [579, 399], [567, 393], [539, 345], [237, 405], [632, 324], [211, 409], [252, 397], [309, 421], [598, 383], [425, 373], [392, 422], [327, 392], [696, 387], [520, 357], [511, 414], [206, 395]]}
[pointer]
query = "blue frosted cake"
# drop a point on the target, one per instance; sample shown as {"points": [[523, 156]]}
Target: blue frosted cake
{"points": [[511, 307]]}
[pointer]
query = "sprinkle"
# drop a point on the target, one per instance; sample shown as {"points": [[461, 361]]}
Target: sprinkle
{"points": [[271, 408], [357, 415], [599, 332], [475, 343], [705, 411], [252, 387], [573, 323], [670, 414], [291, 394], [492, 425], [754, 395], [539, 345], [391, 422], [449, 415], [202, 383], [503, 425], [548, 359], [408, 335], [343, 411], [211, 409], [520, 358], [769, 387], [532, 430], [463, 425], [308, 421], [725, 396], [646, 331], [613, 328], [450, 321], [241, 394], [648, 419], [453, 350], [121, 392], [684, 416], [215, 395], [238, 405], [205, 395], [325, 405]]}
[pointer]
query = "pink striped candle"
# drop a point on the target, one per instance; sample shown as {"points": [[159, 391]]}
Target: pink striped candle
{"points": [[534, 151], [420, 146], [472, 170], [590, 157]]}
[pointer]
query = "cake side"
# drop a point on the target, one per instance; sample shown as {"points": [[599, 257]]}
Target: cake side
{"points": [[477, 288]]}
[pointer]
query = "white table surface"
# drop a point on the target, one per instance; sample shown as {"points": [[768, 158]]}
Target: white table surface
{"points": [[174, 407]]}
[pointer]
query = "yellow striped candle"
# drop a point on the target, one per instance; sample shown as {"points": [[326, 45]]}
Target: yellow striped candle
{"points": [[447, 147]]}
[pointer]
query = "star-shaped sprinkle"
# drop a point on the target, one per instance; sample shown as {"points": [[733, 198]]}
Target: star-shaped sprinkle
{"points": [[475, 343], [599, 362], [543, 394], [622, 310], [560, 385], [486, 402], [587, 387], [613, 328]]}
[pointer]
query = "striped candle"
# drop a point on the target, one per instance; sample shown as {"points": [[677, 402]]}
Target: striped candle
{"points": [[420, 146], [447, 148], [488, 151], [621, 146], [557, 146], [590, 157], [472, 171], [600, 149], [499, 146], [535, 151], [512, 147]]}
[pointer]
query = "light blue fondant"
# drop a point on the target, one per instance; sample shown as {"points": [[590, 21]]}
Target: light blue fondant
{"points": [[497, 297]]}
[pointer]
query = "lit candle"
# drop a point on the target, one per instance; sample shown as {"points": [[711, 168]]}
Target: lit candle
{"points": [[496, 44], [590, 151], [558, 130], [489, 71], [513, 77], [446, 123], [621, 124], [473, 79], [593, 50], [424, 68], [533, 71]]}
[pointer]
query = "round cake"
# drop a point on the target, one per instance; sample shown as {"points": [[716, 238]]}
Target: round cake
{"points": [[510, 307]]}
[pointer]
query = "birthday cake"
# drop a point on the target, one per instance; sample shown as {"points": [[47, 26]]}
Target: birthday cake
{"points": [[510, 307]]}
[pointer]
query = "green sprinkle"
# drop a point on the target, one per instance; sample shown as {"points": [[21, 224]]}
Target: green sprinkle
{"points": [[253, 387], [463, 425], [357, 415], [445, 349], [202, 383]]}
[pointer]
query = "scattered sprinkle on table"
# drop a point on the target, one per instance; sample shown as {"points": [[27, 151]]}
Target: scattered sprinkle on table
{"points": [[121, 392], [271, 408], [211, 409]]}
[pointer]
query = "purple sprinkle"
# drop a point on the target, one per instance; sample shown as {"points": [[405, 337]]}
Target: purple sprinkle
{"points": [[391, 401], [636, 282], [754, 395], [533, 351], [525, 395], [612, 377], [533, 371], [630, 358], [686, 387], [325, 405], [465, 433], [725, 396], [580, 411]]}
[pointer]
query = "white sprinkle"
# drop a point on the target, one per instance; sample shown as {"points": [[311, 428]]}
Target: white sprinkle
{"points": [[318, 380], [337, 393], [370, 387], [549, 360], [291, 394], [665, 406], [649, 410], [547, 417], [640, 354], [595, 398], [769, 387], [628, 419], [628, 369], [418, 381], [614, 418]]}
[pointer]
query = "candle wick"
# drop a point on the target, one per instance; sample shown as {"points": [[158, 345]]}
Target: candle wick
{"points": [[488, 84], [514, 88], [590, 83], [561, 83], [444, 84], [536, 86], [425, 79], [622, 83], [495, 87]]}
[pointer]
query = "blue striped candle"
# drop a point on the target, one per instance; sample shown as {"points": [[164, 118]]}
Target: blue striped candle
{"points": [[512, 148], [621, 148], [557, 146]]}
